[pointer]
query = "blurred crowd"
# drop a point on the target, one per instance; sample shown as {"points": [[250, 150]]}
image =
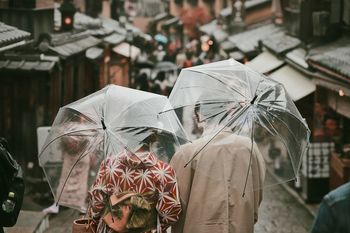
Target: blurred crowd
{"points": [[163, 57]]}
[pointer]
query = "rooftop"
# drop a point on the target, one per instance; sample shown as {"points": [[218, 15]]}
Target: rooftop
{"points": [[10, 35], [333, 57]]}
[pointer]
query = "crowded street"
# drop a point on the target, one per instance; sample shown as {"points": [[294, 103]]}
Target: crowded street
{"points": [[181, 116]]}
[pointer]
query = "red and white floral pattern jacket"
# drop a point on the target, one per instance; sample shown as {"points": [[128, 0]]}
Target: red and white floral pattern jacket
{"points": [[142, 174]]}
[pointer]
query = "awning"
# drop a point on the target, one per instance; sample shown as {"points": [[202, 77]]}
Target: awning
{"points": [[93, 53], [124, 50], [114, 39], [297, 84], [298, 57], [209, 28], [247, 41], [265, 62], [220, 35], [227, 45], [340, 104], [333, 85]]}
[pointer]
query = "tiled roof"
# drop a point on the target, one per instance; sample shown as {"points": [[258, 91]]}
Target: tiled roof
{"points": [[337, 60], [22, 63], [210, 27], [75, 46], [334, 56], [227, 45], [93, 25], [114, 38], [10, 35], [116, 26], [280, 42], [297, 56], [213, 28], [247, 41]]}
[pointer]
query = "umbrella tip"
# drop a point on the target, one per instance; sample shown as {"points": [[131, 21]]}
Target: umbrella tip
{"points": [[103, 124], [253, 100]]}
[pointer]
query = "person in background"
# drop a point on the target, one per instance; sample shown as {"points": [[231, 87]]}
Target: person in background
{"points": [[142, 82], [332, 131], [334, 212], [75, 190], [188, 62]]}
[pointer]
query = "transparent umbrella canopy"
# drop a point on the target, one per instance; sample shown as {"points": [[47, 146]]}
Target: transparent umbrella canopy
{"points": [[104, 124], [228, 96]]}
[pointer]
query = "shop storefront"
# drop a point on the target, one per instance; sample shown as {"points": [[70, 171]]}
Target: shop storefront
{"points": [[332, 125]]}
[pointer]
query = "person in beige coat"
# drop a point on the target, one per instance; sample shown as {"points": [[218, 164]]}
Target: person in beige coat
{"points": [[211, 186]]}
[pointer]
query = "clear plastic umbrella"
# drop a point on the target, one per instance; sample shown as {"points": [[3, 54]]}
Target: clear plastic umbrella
{"points": [[166, 66], [103, 124], [161, 38], [228, 96]]}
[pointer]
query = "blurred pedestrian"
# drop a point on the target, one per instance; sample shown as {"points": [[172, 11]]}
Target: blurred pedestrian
{"points": [[180, 59], [188, 62], [159, 54], [142, 82], [334, 212], [75, 188], [162, 82], [211, 185]]}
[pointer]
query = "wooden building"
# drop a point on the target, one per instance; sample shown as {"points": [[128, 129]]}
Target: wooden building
{"points": [[30, 96]]}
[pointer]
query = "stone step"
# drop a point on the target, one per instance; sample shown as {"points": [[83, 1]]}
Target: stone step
{"points": [[30, 222]]}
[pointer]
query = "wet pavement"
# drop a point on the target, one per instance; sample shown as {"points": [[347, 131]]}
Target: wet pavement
{"points": [[281, 211]]}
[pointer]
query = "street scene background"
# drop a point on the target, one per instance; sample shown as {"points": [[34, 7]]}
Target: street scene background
{"points": [[53, 53]]}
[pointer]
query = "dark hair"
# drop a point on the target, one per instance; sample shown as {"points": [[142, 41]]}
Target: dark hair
{"points": [[161, 76], [144, 86], [156, 88]]}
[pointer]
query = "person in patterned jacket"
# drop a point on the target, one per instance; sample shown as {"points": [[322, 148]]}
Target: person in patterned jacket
{"points": [[142, 173]]}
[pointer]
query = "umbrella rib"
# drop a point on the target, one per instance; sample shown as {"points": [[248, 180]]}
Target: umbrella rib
{"points": [[66, 134], [105, 138], [187, 105], [290, 132], [225, 84], [285, 110], [250, 158], [155, 128], [272, 101]]}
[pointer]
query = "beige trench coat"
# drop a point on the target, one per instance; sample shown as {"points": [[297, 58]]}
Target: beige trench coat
{"points": [[211, 186]]}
